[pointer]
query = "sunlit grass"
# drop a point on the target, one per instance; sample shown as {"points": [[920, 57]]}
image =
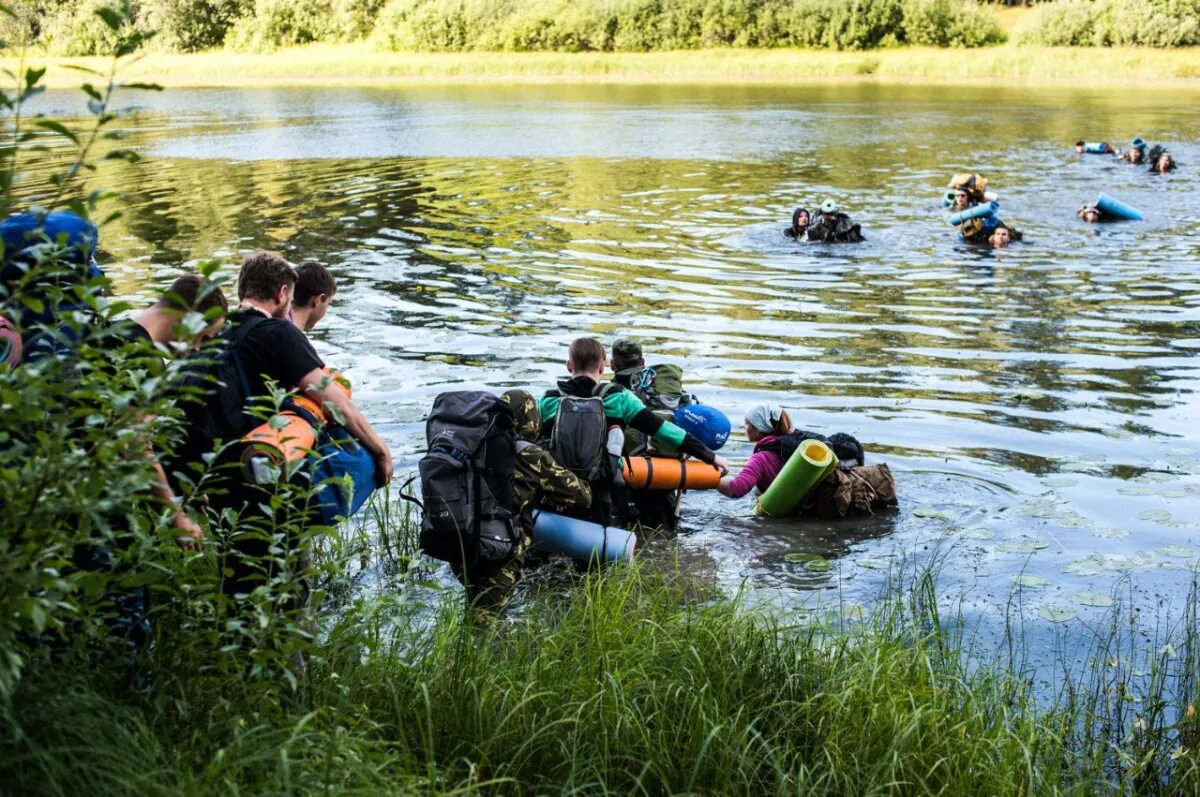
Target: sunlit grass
{"points": [[359, 64]]}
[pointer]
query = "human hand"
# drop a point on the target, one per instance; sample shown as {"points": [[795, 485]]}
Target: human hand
{"points": [[192, 535], [383, 460], [720, 464]]}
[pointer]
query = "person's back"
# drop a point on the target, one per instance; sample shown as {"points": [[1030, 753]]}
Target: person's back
{"points": [[833, 226], [538, 481], [606, 409]]}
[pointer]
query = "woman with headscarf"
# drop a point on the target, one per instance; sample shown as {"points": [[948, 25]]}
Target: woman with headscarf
{"points": [[765, 423]]}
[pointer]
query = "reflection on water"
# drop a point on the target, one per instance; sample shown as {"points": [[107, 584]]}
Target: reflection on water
{"points": [[1037, 405]]}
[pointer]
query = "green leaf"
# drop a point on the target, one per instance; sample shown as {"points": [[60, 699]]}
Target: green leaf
{"points": [[59, 128], [32, 76], [142, 86], [127, 155], [7, 11], [113, 18], [1058, 614], [85, 69], [1030, 581]]}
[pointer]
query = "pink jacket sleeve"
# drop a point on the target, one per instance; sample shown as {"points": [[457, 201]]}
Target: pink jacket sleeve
{"points": [[744, 482]]}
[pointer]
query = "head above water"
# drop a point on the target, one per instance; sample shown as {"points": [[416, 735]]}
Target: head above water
{"points": [[1089, 213], [800, 219], [975, 185], [1164, 164], [585, 357], [962, 199], [266, 280], [1079, 146], [766, 418], [1000, 237], [627, 353]]}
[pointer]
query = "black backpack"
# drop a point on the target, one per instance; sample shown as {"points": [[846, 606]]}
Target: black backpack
{"points": [[467, 479], [215, 396], [579, 440], [845, 447]]}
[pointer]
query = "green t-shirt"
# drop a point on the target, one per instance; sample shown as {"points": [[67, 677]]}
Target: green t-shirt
{"points": [[620, 407]]}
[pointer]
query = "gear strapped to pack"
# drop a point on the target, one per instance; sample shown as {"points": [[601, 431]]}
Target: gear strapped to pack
{"points": [[467, 476], [660, 387], [846, 448]]}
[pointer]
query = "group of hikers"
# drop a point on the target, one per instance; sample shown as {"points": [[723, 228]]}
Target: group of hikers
{"points": [[974, 210], [560, 452]]}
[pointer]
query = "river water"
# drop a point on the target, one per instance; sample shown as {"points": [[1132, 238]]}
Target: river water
{"points": [[1038, 405]]}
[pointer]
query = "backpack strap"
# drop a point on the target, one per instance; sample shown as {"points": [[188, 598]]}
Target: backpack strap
{"points": [[523, 445]]}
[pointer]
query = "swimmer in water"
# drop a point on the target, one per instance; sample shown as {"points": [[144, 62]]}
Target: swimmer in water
{"points": [[1000, 237], [800, 219], [1090, 214]]}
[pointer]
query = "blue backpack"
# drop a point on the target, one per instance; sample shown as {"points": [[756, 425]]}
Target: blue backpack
{"points": [[344, 473]]}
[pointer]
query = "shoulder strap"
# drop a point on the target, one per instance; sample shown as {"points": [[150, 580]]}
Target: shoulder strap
{"points": [[522, 445], [602, 389]]}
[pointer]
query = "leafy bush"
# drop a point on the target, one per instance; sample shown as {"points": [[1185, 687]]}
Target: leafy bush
{"points": [[1136, 23], [283, 23], [949, 23], [191, 25]]}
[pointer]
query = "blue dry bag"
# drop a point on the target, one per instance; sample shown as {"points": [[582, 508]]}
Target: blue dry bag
{"points": [[705, 422], [344, 474]]}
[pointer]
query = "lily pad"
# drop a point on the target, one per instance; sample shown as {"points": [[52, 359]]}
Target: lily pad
{"points": [[800, 558], [1060, 481], [1058, 614], [1090, 566], [931, 513], [1073, 520], [1093, 599], [1179, 551], [1112, 534], [1022, 547], [1157, 515], [818, 565], [1027, 395], [874, 564], [1030, 581], [979, 534]]}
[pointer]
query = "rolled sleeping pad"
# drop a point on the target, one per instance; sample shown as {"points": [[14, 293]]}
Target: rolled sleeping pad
{"points": [[806, 468], [664, 473], [284, 439], [977, 212], [581, 539], [288, 437], [1095, 147], [1117, 209], [705, 422]]}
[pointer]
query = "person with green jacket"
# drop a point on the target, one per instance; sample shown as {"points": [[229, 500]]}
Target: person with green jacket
{"points": [[594, 452]]}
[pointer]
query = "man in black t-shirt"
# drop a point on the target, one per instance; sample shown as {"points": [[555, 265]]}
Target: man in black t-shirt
{"points": [[275, 350]]}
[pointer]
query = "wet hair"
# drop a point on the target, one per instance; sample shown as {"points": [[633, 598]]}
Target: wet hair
{"points": [[263, 274], [192, 292], [1170, 162], [585, 354], [1079, 143], [312, 280]]}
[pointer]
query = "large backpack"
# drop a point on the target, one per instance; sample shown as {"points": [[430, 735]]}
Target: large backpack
{"points": [[579, 440], [467, 479], [660, 387], [215, 395]]}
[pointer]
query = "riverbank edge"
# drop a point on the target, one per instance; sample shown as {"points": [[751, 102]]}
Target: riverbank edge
{"points": [[357, 64]]}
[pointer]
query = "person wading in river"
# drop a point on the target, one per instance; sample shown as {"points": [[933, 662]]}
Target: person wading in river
{"points": [[584, 419]]}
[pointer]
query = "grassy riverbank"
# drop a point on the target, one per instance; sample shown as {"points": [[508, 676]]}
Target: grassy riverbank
{"points": [[358, 65]]}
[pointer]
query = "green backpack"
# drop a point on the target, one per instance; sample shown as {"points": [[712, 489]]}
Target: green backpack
{"points": [[660, 387]]}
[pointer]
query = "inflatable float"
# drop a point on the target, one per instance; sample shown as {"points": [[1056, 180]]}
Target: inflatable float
{"points": [[803, 471], [1116, 209], [664, 473], [705, 422], [581, 539]]}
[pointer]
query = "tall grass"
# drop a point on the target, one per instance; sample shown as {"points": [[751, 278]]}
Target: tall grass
{"points": [[632, 681]]}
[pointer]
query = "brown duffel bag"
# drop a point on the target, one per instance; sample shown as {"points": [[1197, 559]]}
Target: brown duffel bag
{"points": [[853, 490]]}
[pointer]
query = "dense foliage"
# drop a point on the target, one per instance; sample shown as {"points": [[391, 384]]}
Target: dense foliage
{"points": [[70, 27], [1139, 23]]}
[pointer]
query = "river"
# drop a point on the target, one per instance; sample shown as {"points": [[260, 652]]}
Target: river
{"points": [[1038, 405]]}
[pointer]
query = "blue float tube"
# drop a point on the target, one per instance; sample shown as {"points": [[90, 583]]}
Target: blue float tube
{"points": [[581, 539], [977, 212], [1117, 209], [1096, 147]]}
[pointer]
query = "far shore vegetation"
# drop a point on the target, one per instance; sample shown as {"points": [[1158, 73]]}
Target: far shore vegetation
{"points": [[356, 64]]}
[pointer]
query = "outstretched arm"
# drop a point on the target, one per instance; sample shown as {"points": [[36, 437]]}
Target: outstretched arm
{"points": [[319, 385]]}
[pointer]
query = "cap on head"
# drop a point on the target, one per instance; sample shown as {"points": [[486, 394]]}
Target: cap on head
{"points": [[829, 206], [626, 352]]}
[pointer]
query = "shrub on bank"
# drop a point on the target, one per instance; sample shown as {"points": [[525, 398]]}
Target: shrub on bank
{"points": [[1133, 23]]}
